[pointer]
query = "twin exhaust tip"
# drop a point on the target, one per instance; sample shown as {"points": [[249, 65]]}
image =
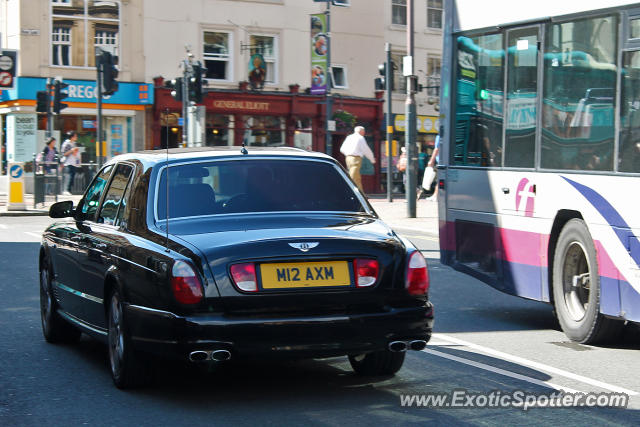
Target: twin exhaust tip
{"points": [[400, 346], [205, 355]]}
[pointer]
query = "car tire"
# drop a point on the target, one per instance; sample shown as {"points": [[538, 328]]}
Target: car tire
{"points": [[129, 369], [576, 287], [377, 363], [54, 328]]}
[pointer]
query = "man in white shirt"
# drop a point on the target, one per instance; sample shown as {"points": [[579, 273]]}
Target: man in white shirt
{"points": [[353, 148]]}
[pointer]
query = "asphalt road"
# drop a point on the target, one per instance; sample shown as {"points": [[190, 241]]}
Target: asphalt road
{"points": [[485, 342]]}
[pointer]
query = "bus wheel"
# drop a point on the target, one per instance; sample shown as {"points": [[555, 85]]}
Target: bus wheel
{"points": [[576, 287]]}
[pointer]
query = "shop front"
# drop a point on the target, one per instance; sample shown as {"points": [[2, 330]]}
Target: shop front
{"points": [[272, 119], [427, 130], [123, 113]]}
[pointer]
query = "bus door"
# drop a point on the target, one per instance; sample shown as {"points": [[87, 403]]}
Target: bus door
{"points": [[517, 187]]}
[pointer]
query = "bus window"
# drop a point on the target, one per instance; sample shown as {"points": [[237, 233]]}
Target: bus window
{"points": [[629, 156], [579, 94], [522, 98], [480, 81]]}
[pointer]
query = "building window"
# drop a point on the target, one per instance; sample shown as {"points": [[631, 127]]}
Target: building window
{"points": [[79, 26], [339, 76], [267, 47], [399, 81], [433, 76], [434, 14], [399, 12], [217, 55], [107, 40], [61, 44]]}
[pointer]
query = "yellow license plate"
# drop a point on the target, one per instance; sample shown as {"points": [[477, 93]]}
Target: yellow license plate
{"points": [[305, 275]]}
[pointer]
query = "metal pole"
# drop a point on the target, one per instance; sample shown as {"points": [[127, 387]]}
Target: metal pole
{"points": [[99, 67], [49, 132], [328, 143], [388, 76], [185, 104], [410, 125]]}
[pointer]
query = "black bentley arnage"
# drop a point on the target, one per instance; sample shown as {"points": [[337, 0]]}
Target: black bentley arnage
{"points": [[211, 254]]}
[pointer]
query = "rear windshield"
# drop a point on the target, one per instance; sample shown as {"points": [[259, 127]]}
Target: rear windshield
{"points": [[261, 185]]}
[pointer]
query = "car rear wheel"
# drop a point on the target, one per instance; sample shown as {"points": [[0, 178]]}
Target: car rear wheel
{"points": [[377, 363], [576, 287], [54, 328], [128, 367]]}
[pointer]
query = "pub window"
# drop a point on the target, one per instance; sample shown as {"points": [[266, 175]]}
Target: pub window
{"points": [[302, 135], [339, 76], [263, 131], [217, 55], [434, 14], [479, 100], [267, 47], [219, 130], [399, 12], [579, 94]]}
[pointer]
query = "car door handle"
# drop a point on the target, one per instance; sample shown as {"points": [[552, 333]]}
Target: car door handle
{"points": [[101, 246], [505, 190], [77, 238]]}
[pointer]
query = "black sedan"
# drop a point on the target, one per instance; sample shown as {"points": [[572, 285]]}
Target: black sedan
{"points": [[211, 254]]}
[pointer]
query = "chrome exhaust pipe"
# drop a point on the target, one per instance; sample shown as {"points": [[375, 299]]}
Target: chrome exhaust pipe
{"points": [[397, 346], [198, 356], [417, 345], [220, 355]]}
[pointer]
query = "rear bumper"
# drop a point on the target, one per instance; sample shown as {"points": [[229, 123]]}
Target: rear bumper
{"points": [[174, 336]]}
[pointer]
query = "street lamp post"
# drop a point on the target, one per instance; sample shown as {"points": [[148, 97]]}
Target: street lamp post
{"points": [[410, 125]]}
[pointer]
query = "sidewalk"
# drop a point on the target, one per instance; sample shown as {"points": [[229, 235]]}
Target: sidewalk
{"points": [[39, 210], [393, 213]]}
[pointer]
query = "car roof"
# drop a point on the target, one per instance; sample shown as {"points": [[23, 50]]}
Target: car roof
{"points": [[151, 157]]}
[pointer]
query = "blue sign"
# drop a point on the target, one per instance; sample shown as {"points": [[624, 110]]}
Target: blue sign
{"points": [[83, 91], [180, 121], [15, 171]]}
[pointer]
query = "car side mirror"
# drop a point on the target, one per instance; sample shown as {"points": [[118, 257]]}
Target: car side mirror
{"points": [[61, 209]]}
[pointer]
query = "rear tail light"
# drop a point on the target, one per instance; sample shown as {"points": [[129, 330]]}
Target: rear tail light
{"points": [[417, 275], [366, 272], [185, 284], [244, 276]]}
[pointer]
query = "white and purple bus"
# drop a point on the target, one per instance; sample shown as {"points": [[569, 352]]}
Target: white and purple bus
{"points": [[540, 172]]}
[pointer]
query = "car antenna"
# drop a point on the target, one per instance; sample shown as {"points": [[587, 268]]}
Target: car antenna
{"points": [[243, 150], [167, 182]]}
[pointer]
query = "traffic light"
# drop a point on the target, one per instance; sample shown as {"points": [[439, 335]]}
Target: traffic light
{"points": [[380, 82], [109, 73], [176, 88], [42, 103], [195, 83], [58, 96]]}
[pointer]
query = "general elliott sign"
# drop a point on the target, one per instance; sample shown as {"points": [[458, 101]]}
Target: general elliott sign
{"points": [[241, 105]]}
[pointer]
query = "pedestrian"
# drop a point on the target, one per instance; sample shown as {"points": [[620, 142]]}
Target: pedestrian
{"points": [[402, 166], [71, 161], [49, 153], [354, 148], [430, 171]]}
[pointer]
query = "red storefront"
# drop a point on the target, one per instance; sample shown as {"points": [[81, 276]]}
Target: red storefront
{"points": [[256, 118]]}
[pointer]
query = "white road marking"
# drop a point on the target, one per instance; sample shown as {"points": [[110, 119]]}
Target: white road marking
{"points": [[500, 371], [536, 365]]}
